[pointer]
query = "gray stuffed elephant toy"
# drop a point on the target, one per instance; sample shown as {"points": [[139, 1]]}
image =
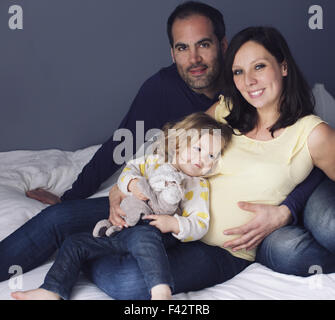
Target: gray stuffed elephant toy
{"points": [[164, 189]]}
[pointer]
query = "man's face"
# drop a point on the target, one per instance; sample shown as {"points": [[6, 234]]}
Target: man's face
{"points": [[197, 52]]}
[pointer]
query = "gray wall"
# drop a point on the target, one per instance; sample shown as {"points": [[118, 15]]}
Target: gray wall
{"points": [[68, 78]]}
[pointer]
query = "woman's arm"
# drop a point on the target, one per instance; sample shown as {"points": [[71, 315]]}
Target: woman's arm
{"points": [[321, 145]]}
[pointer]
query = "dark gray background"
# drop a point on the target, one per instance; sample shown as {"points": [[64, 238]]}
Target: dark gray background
{"points": [[68, 78]]}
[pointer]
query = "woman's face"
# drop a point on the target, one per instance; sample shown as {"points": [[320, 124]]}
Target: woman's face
{"points": [[258, 76]]}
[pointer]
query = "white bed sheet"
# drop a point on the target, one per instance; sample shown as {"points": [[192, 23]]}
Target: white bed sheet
{"points": [[56, 170]]}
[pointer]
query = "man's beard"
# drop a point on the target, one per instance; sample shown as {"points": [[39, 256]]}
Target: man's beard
{"points": [[209, 80]]}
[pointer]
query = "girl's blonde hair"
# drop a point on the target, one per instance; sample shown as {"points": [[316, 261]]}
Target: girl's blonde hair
{"points": [[178, 135]]}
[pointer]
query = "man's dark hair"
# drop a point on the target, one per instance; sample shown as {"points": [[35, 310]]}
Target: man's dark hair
{"points": [[191, 8]]}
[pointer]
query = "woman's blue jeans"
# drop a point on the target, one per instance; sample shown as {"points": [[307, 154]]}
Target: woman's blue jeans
{"points": [[194, 265], [309, 246]]}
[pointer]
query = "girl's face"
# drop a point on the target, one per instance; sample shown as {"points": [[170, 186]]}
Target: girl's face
{"points": [[258, 76], [199, 158]]}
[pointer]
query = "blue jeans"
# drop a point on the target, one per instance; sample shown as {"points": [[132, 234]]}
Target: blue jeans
{"points": [[144, 242], [309, 246], [194, 265], [291, 250], [38, 239]]}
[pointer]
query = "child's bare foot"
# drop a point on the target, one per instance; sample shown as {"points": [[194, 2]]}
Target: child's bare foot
{"points": [[161, 292], [36, 294]]}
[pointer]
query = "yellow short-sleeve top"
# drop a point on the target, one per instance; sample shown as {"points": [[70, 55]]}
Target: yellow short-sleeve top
{"points": [[258, 172]]}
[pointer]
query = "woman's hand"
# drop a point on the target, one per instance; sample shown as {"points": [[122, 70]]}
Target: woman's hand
{"points": [[132, 187], [115, 212], [163, 222], [268, 218]]}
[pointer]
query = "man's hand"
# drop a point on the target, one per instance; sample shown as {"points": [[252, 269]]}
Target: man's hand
{"points": [[163, 222], [43, 196], [268, 218], [115, 212]]}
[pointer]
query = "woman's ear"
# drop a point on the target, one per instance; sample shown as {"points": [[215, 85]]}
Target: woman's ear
{"points": [[284, 69]]}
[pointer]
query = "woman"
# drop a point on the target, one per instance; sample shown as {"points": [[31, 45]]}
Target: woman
{"points": [[270, 97], [277, 142]]}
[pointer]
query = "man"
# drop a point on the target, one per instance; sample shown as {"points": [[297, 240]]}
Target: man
{"points": [[197, 37], [192, 84]]}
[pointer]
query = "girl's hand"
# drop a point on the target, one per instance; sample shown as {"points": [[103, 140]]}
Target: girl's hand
{"points": [[132, 187], [268, 218], [164, 222]]}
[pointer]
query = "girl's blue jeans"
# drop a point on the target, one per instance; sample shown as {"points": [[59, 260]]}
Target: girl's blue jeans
{"points": [[145, 243]]}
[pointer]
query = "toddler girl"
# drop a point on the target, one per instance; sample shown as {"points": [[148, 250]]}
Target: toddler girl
{"points": [[191, 150]]}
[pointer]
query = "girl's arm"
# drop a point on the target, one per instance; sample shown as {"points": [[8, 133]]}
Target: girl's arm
{"points": [[134, 169], [194, 221]]}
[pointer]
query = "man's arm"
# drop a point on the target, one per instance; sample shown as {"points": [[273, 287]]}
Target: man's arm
{"points": [[147, 106], [297, 199], [102, 165]]}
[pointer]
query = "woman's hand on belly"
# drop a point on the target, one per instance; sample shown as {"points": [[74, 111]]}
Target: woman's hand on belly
{"points": [[268, 218]]}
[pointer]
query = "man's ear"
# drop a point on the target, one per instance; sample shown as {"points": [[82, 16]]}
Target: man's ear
{"points": [[172, 55], [224, 44], [284, 69]]}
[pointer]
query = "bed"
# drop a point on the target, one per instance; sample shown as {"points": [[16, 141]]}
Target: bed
{"points": [[55, 170]]}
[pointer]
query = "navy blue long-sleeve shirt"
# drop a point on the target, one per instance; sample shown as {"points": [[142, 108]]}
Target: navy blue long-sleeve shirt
{"points": [[162, 98]]}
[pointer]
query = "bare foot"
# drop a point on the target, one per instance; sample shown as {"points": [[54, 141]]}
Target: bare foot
{"points": [[161, 292], [36, 294], [43, 196]]}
